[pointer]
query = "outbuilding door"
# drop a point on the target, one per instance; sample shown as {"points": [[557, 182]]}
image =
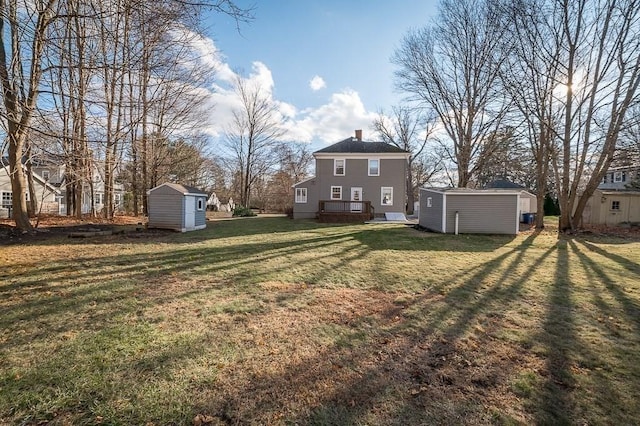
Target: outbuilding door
{"points": [[190, 212], [356, 195]]}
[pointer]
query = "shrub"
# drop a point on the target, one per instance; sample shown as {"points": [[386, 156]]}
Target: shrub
{"points": [[243, 211]]}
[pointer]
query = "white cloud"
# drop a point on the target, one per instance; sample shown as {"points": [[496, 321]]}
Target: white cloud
{"points": [[336, 119], [328, 123], [317, 83]]}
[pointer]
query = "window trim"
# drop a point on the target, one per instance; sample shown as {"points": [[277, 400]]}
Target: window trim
{"points": [[615, 205], [619, 177], [335, 166], [200, 204], [378, 166], [8, 199], [301, 198], [429, 201], [331, 197], [382, 191]]}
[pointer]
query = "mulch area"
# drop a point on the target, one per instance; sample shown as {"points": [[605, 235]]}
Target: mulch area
{"points": [[50, 226]]}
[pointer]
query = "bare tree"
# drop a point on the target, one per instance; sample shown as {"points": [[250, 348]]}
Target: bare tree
{"points": [[589, 53], [452, 67], [20, 74], [255, 131], [409, 130]]}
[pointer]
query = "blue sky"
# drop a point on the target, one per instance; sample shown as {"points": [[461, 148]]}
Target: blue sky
{"points": [[345, 45]]}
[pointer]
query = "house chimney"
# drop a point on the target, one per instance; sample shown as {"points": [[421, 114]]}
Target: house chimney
{"points": [[359, 135]]}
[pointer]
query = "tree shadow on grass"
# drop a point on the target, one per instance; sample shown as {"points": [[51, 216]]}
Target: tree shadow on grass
{"points": [[433, 357], [409, 368]]}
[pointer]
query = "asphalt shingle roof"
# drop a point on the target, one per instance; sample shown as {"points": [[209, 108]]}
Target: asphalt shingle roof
{"points": [[352, 145]]}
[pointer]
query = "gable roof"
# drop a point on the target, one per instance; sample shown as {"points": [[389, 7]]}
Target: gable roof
{"points": [[4, 165], [183, 189], [504, 184], [353, 145]]}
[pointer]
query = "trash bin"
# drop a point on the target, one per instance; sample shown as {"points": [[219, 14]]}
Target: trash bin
{"points": [[531, 218], [528, 218]]}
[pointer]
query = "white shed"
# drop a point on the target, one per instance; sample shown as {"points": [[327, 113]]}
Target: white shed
{"points": [[178, 207]]}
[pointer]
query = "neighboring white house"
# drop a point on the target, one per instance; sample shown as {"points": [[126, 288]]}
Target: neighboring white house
{"points": [[47, 195], [53, 171], [218, 205], [619, 178], [178, 207], [615, 202]]}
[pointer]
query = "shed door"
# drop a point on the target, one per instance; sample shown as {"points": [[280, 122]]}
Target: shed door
{"points": [[190, 212]]}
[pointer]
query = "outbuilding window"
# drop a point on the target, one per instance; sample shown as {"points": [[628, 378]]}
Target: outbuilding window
{"points": [[615, 205], [200, 204], [301, 195], [429, 202]]}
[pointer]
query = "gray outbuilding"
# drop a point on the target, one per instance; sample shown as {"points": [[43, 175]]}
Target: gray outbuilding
{"points": [[470, 211], [178, 207]]}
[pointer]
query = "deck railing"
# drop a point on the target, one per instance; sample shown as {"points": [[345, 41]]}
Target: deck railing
{"points": [[346, 207]]}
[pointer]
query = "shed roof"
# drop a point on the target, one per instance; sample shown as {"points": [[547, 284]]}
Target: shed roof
{"points": [[353, 145], [471, 191], [183, 189]]}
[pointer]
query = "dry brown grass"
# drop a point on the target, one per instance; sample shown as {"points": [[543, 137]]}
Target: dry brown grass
{"points": [[271, 321]]}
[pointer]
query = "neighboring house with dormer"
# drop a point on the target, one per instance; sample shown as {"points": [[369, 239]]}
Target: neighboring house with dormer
{"points": [[53, 171], [619, 178], [47, 195], [617, 198], [354, 181]]}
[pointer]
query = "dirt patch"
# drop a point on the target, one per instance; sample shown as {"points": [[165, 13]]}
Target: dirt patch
{"points": [[61, 226]]}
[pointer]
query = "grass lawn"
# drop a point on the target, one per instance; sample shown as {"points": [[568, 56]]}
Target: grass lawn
{"points": [[273, 321]]}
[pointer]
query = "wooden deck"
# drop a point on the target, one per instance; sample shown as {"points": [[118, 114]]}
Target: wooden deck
{"points": [[332, 211]]}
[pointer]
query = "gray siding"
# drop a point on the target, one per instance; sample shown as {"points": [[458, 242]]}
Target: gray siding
{"points": [[201, 215], [309, 209], [482, 214], [392, 174], [166, 209], [431, 217]]}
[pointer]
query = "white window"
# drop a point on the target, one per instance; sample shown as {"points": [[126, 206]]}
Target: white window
{"points": [[336, 193], [301, 195], [200, 204], [386, 196], [117, 199], [98, 198], [374, 167], [604, 178], [429, 202], [45, 175], [619, 177], [615, 205], [7, 199], [338, 167]]}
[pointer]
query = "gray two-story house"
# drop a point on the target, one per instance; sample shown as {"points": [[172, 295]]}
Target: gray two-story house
{"points": [[354, 180]]}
